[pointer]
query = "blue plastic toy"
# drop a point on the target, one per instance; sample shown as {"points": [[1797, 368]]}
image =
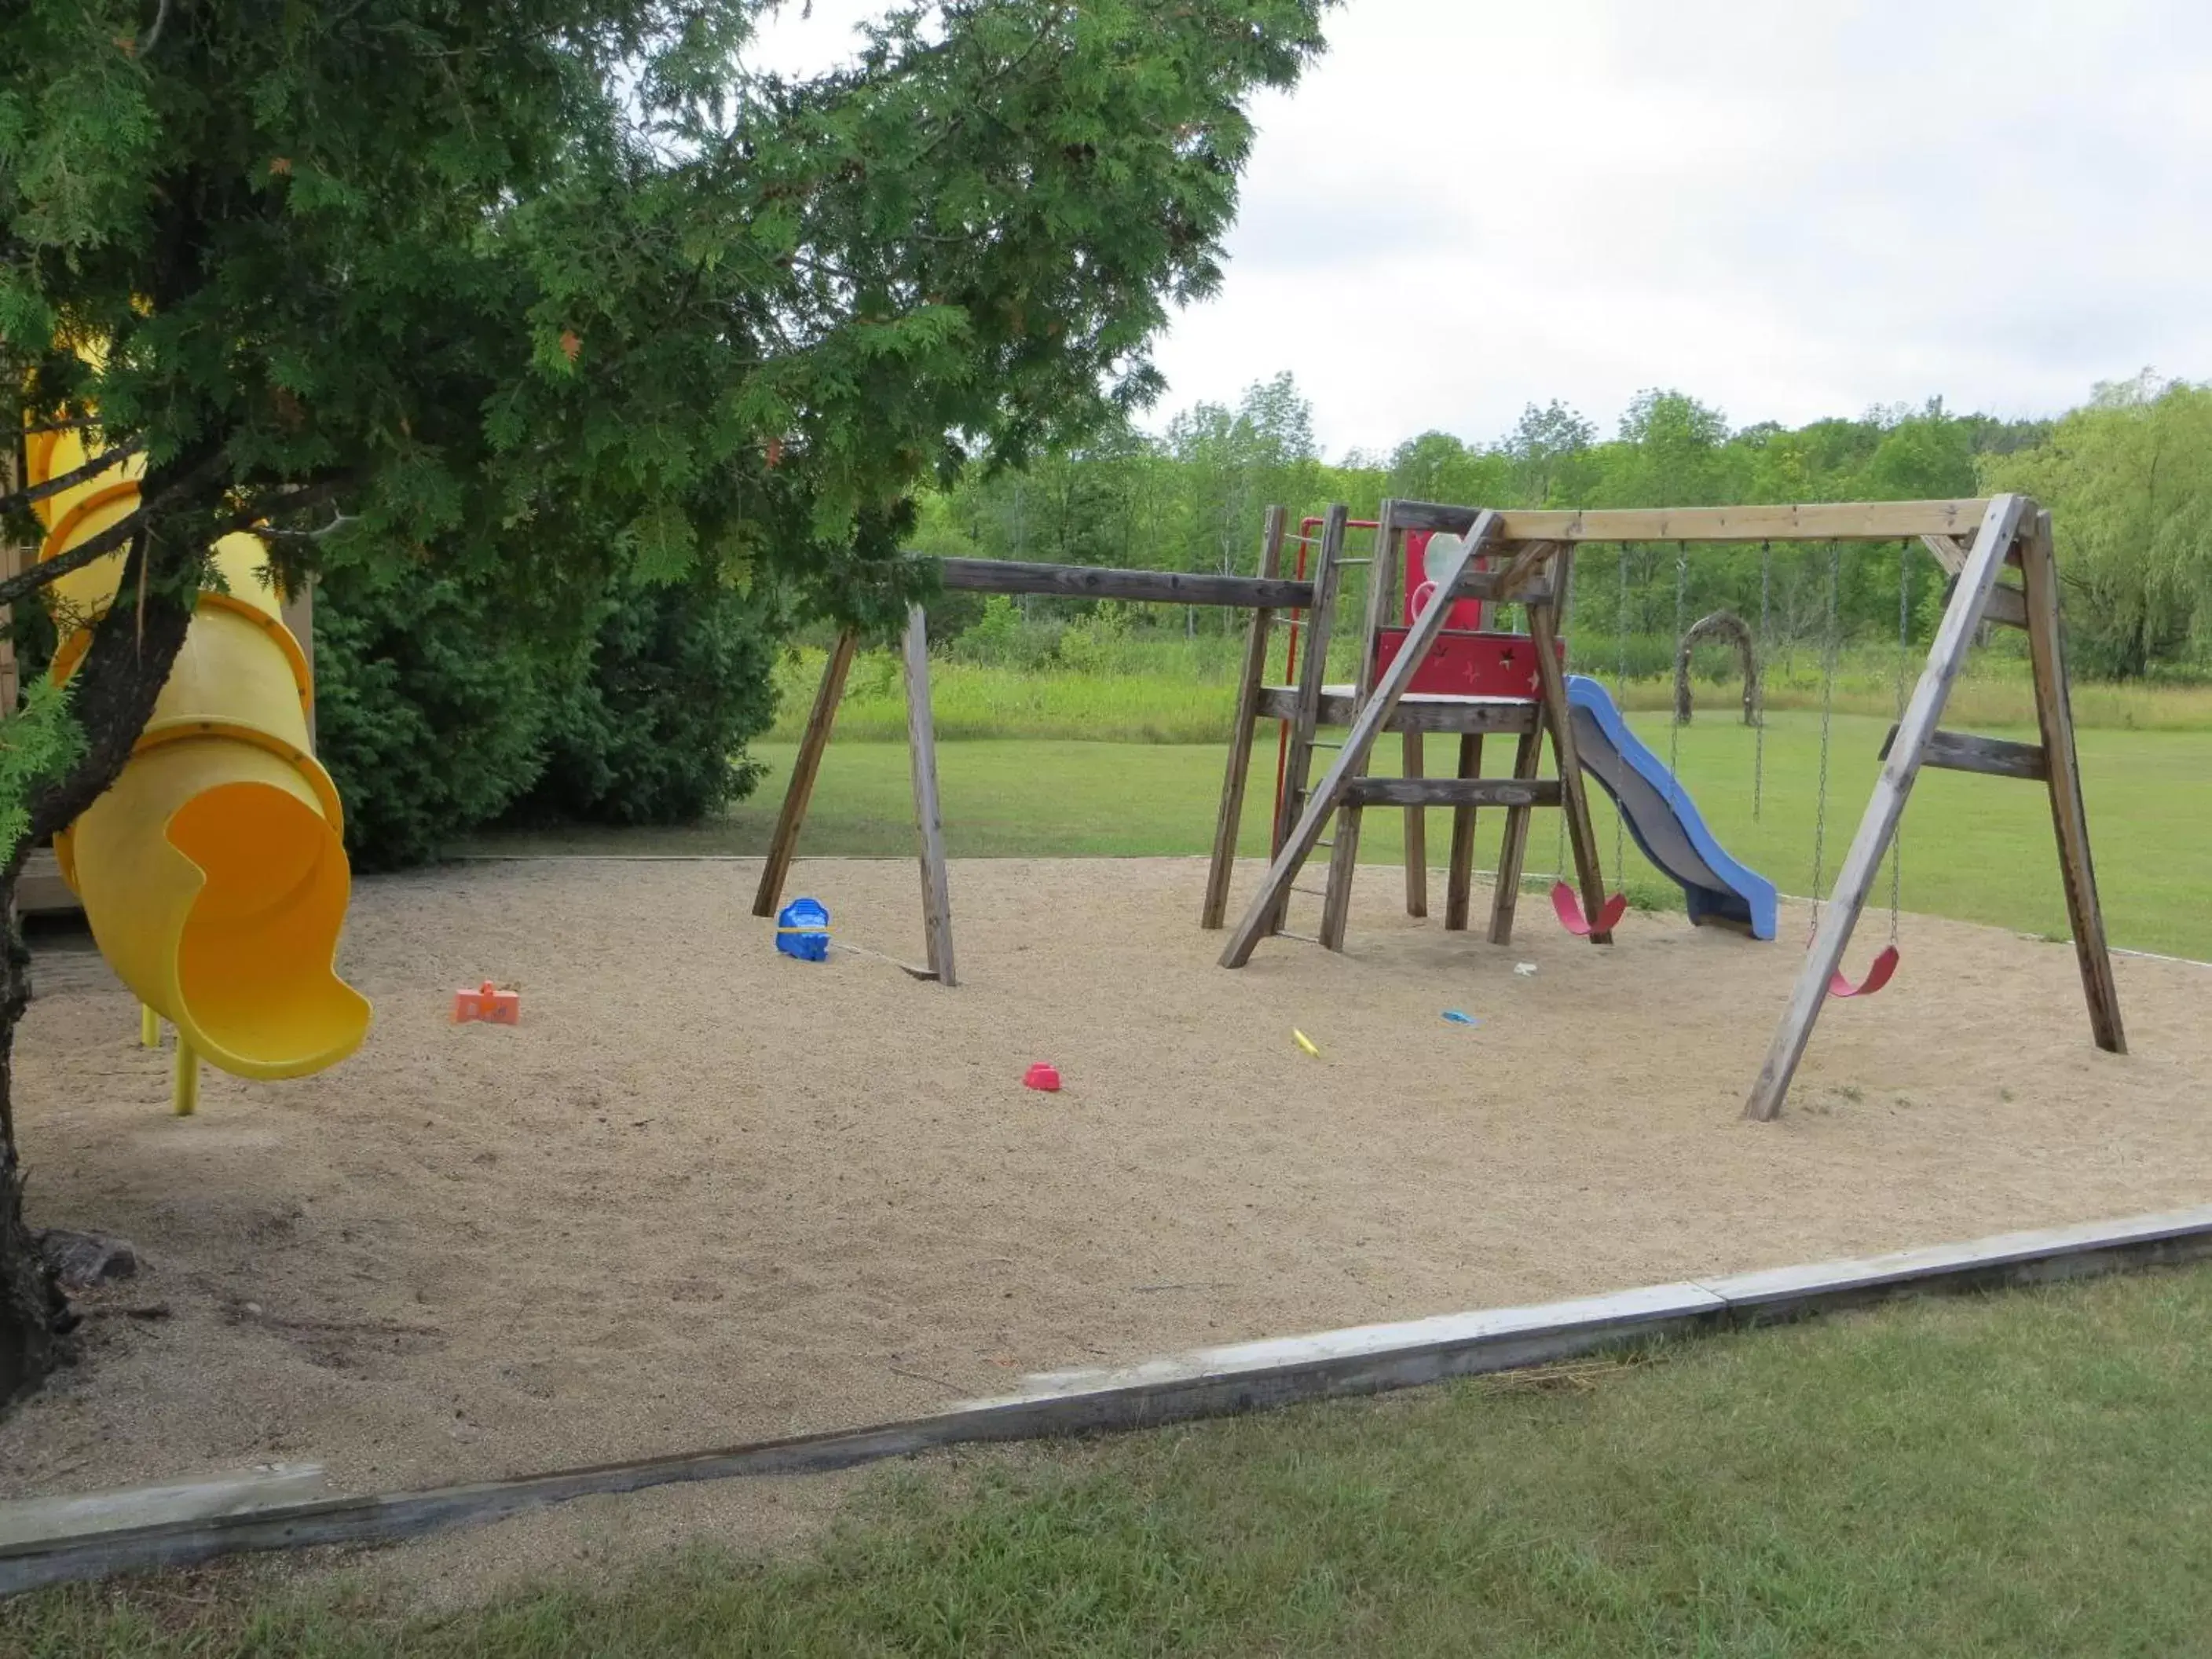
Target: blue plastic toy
{"points": [[802, 930]]}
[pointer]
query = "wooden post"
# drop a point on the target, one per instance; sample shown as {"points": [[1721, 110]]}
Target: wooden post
{"points": [[921, 744], [2001, 526], [1574, 799], [1245, 721], [2054, 711], [1313, 675], [783, 845], [1417, 833], [1513, 845], [1365, 727], [13, 562], [1460, 881], [1343, 853]]}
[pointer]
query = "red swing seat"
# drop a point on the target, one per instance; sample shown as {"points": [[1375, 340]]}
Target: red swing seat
{"points": [[1878, 975], [1569, 909]]}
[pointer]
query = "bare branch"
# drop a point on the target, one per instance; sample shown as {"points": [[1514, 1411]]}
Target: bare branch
{"points": [[48, 571], [70, 479], [154, 34]]}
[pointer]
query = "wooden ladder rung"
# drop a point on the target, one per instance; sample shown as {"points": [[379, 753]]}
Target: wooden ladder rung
{"points": [[1452, 792]]}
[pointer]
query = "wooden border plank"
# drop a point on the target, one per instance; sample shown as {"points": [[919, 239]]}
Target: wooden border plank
{"points": [[1083, 581], [2001, 527], [1350, 759], [1244, 724], [1176, 1388], [783, 844], [2069, 814], [929, 815]]}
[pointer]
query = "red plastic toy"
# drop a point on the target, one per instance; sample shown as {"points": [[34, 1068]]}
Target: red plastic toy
{"points": [[488, 1003], [1043, 1075]]}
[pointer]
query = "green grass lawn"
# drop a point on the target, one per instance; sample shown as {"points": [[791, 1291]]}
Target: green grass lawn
{"points": [[1976, 848], [2022, 1475]]}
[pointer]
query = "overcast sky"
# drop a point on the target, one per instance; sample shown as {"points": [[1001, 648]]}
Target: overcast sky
{"points": [[1788, 209]]}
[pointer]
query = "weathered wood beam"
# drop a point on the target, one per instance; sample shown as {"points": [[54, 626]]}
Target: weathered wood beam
{"points": [[2007, 604], [805, 765], [1965, 751], [1242, 725], [1083, 581], [2069, 814], [929, 815], [1823, 521], [1413, 713], [1350, 759], [2001, 527], [1453, 792]]}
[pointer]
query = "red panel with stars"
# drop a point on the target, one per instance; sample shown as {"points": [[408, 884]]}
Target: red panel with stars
{"points": [[1471, 664]]}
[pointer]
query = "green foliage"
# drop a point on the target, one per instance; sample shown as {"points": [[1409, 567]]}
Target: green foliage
{"points": [[654, 731], [2128, 482], [37, 741], [543, 293], [429, 714]]}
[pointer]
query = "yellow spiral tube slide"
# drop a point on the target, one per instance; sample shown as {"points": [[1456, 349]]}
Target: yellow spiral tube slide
{"points": [[212, 872]]}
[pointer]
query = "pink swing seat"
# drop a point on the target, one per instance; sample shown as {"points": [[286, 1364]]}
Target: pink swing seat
{"points": [[1569, 909]]}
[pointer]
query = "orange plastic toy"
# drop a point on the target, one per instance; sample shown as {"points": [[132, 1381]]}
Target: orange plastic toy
{"points": [[488, 1002]]}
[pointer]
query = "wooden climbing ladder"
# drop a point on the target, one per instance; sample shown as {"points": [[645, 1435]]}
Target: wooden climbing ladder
{"points": [[1532, 575]]}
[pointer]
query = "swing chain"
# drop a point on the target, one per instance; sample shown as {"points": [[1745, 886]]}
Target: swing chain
{"points": [[1759, 663], [1828, 651], [1620, 701], [1903, 652], [1674, 725]]}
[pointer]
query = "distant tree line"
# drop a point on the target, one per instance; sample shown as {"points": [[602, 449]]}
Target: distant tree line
{"points": [[2128, 475]]}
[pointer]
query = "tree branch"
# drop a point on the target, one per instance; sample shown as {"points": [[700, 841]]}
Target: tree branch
{"points": [[35, 493], [108, 541]]}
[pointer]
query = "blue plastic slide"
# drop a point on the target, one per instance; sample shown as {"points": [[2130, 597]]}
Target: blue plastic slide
{"points": [[1663, 818]]}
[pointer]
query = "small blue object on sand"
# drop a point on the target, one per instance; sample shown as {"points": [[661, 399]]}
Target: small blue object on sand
{"points": [[1459, 1018], [802, 930]]}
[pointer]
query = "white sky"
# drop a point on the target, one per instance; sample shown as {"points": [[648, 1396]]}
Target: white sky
{"points": [[1788, 209]]}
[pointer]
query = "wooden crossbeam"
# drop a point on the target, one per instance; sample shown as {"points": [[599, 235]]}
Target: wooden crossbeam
{"points": [[1500, 587], [2001, 527], [1822, 521], [1414, 713], [2007, 605], [1965, 752], [1352, 758], [1453, 792], [1083, 581]]}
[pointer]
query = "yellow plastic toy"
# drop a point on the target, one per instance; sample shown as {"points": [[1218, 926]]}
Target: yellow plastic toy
{"points": [[212, 872]]}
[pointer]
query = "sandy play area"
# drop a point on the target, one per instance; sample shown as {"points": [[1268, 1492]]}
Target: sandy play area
{"points": [[705, 1193]]}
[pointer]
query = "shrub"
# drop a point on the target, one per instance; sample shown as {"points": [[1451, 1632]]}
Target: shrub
{"points": [[429, 720], [653, 731]]}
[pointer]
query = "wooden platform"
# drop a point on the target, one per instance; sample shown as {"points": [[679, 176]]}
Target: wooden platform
{"points": [[40, 889]]}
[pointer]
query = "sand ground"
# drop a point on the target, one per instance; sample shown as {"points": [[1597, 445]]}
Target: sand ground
{"points": [[705, 1193]]}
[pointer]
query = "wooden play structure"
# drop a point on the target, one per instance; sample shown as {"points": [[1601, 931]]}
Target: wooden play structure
{"points": [[1430, 659]]}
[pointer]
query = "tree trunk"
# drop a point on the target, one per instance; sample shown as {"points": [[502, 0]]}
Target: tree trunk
{"points": [[111, 694]]}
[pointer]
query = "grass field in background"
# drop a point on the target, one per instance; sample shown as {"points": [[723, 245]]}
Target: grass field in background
{"points": [[1976, 848], [2023, 1473], [1183, 691]]}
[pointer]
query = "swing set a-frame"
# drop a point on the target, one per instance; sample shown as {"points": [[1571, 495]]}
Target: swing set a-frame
{"points": [[1525, 558]]}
